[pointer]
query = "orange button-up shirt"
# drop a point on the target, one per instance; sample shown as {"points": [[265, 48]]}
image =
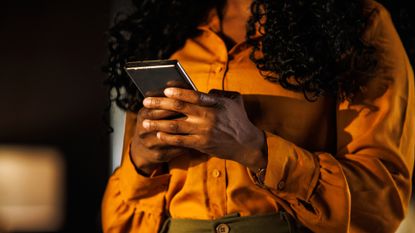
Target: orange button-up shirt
{"points": [[335, 166]]}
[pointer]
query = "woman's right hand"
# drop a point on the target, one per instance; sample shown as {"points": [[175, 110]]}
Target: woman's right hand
{"points": [[147, 151]]}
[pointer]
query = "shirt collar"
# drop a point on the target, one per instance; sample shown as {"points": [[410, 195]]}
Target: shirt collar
{"points": [[213, 24]]}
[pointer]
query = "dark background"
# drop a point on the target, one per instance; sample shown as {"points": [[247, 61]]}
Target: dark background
{"points": [[51, 91]]}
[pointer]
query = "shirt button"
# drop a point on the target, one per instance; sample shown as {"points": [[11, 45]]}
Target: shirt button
{"points": [[215, 173], [222, 228], [281, 185]]}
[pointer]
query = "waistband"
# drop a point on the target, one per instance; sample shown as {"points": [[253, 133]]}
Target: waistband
{"points": [[270, 223]]}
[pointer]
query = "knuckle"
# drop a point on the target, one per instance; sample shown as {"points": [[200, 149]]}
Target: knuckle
{"points": [[204, 114], [174, 127], [178, 105], [208, 100], [221, 103], [142, 114], [177, 93], [202, 98], [147, 144], [159, 156], [149, 114], [204, 131], [153, 126], [211, 116], [141, 134], [155, 102], [199, 97], [203, 141], [209, 132], [178, 141], [141, 111], [152, 146]]}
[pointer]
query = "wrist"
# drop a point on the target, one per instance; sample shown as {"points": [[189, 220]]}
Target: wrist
{"points": [[255, 157], [142, 166], [146, 169]]}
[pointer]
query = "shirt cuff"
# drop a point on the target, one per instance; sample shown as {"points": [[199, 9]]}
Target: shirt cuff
{"points": [[291, 172], [136, 187]]}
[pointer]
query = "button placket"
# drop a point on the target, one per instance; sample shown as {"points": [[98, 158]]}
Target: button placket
{"points": [[216, 186], [215, 173]]}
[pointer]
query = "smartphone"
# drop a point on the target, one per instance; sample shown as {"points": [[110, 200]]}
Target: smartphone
{"points": [[151, 77]]}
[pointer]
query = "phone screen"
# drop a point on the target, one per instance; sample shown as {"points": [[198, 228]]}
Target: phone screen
{"points": [[152, 77]]}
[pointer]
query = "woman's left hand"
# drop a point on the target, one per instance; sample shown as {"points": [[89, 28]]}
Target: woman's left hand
{"points": [[214, 125]]}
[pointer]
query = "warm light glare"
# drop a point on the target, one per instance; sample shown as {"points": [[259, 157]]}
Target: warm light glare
{"points": [[31, 189]]}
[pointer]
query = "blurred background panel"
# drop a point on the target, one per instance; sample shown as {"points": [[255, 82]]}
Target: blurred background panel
{"points": [[51, 96], [32, 189]]}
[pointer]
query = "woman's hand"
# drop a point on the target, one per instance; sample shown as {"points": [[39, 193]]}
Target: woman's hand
{"points": [[147, 151], [214, 124]]}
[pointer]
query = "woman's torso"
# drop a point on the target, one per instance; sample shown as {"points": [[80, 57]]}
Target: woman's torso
{"points": [[206, 187]]}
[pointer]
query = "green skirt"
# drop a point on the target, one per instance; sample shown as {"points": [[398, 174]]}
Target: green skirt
{"points": [[271, 223]]}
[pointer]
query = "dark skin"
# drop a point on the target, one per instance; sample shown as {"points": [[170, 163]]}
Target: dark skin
{"points": [[212, 124]]}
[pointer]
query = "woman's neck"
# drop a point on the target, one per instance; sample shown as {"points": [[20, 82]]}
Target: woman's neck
{"points": [[241, 6], [234, 18]]}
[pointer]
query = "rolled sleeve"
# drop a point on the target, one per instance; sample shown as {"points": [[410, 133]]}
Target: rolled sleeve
{"points": [[287, 174], [134, 186]]}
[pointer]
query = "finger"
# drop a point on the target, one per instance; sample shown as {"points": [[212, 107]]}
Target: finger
{"points": [[189, 141], [154, 93], [170, 104], [169, 126], [178, 83], [165, 155], [144, 134], [151, 142], [174, 151], [157, 114], [191, 96], [156, 145]]}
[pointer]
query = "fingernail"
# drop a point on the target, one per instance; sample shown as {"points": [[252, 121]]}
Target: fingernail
{"points": [[146, 102], [158, 135], [168, 92], [146, 124]]}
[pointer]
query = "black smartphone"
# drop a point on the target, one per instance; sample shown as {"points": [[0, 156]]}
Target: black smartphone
{"points": [[151, 77]]}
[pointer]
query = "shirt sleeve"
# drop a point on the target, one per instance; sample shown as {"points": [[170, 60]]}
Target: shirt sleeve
{"points": [[365, 186], [132, 202]]}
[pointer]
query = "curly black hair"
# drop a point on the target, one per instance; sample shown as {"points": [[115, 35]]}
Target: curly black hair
{"points": [[307, 45]]}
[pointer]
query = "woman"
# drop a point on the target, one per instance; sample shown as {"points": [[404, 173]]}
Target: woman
{"points": [[319, 139]]}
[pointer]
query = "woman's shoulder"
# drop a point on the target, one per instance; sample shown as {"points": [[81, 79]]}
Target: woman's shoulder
{"points": [[372, 6], [393, 69], [381, 32], [378, 18]]}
